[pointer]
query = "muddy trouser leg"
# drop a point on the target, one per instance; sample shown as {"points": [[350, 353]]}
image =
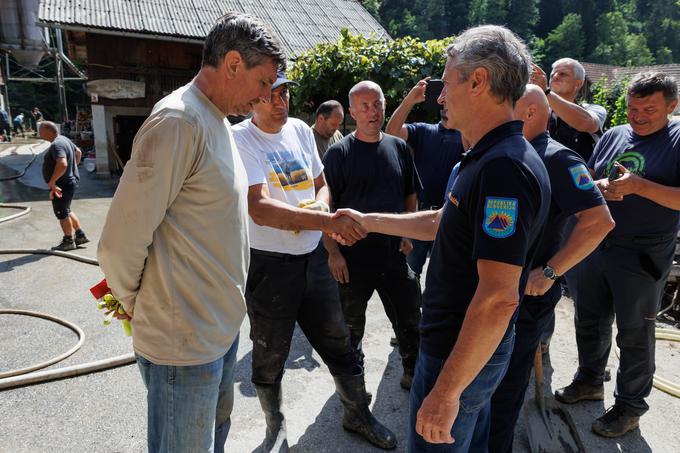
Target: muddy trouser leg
{"points": [[354, 298], [323, 323], [273, 295], [533, 318], [637, 283], [399, 290], [594, 315]]}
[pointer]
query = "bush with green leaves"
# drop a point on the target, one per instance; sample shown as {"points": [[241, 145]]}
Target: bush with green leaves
{"points": [[613, 98], [329, 70]]}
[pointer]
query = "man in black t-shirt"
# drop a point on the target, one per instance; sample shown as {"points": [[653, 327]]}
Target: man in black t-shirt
{"points": [[60, 171], [485, 239], [573, 193], [372, 171], [637, 168]]}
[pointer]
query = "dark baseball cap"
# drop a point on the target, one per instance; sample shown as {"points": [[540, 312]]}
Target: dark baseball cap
{"points": [[282, 80]]}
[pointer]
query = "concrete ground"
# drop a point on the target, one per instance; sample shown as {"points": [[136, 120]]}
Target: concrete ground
{"points": [[105, 412]]}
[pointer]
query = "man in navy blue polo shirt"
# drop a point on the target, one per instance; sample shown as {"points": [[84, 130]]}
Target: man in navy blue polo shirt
{"points": [[573, 193], [637, 168], [436, 149], [485, 237]]}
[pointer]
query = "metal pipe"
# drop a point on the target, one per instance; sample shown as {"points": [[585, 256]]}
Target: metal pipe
{"points": [[60, 77]]}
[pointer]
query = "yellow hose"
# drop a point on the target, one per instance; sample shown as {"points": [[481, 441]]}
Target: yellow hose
{"points": [[662, 383]]}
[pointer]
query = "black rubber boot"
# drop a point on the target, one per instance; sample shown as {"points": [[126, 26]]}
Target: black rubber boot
{"points": [[270, 399], [356, 415]]}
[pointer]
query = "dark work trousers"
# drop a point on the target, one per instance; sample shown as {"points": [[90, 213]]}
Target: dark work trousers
{"points": [[533, 319], [399, 291], [416, 259], [282, 289], [624, 277]]}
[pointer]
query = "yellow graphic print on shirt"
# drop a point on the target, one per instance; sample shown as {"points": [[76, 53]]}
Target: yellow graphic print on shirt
{"points": [[288, 172]]}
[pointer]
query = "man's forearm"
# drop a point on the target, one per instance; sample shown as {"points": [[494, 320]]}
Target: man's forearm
{"points": [[276, 214], [486, 321], [59, 170], [421, 225], [666, 196], [591, 227], [398, 118], [573, 114]]}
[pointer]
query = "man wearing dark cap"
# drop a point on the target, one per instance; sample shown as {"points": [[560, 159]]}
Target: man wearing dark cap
{"points": [[289, 280]]}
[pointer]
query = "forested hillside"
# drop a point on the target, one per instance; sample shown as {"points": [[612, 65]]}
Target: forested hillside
{"points": [[618, 32]]}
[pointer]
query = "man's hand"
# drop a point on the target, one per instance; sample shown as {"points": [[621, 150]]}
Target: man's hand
{"points": [[538, 284], [345, 230], [338, 267], [605, 188], [435, 418], [417, 93], [405, 246], [626, 184], [55, 191], [538, 77]]}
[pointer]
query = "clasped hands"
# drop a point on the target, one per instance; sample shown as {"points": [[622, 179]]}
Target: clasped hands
{"points": [[347, 226]]}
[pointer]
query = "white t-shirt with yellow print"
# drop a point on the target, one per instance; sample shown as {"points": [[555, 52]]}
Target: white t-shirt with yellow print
{"points": [[288, 163]]}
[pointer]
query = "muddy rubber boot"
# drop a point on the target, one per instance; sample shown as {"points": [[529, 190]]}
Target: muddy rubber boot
{"points": [[270, 400], [357, 416]]}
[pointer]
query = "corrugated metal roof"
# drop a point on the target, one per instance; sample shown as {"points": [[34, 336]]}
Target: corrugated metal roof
{"points": [[300, 24]]}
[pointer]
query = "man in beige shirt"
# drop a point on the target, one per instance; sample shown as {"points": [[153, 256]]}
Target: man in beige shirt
{"points": [[174, 248], [327, 121]]}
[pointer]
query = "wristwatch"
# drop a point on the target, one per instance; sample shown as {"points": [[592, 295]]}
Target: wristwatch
{"points": [[549, 272], [546, 91]]}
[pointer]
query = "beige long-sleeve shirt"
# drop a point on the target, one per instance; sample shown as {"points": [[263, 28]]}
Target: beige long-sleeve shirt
{"points": [[174, 248]]}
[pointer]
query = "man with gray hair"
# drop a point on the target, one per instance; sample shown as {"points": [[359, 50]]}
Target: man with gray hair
{"points": [[60, 172], [578, 127], [485, 239], [636, 167], [174, 248], [328, 118]]}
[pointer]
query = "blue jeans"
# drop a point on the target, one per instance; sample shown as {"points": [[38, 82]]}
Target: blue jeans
{"points": [[416, 259], [471, 428], [189, 407]]}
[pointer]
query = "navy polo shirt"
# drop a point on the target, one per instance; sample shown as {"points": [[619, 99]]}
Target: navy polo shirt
{"points": [[436, 150], [496, 210], [655, 157], [572, 190]]}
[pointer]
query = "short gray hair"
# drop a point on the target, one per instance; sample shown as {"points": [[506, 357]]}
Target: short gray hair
{"points": [[246, 35], [49, 125], [500, 52], [579, 70]]}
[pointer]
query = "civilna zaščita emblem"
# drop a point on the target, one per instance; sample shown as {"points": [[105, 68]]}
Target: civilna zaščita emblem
{"points": [[500, 217]]}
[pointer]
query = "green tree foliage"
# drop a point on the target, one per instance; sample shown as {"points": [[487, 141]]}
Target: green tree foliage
{"points": [[617, 45], [566, 39], [620, 32], [328, 71], [612, 98]]}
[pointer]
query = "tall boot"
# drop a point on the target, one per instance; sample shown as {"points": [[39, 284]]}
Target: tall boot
{"points": [[356, 415], [270, 399]]}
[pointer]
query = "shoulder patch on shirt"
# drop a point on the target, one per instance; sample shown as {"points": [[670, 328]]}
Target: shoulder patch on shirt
{"points": [[581, 177], [500, 217]]}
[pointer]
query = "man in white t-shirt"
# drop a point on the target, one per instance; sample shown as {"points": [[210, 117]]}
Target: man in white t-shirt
{"points": [[288, 280]]}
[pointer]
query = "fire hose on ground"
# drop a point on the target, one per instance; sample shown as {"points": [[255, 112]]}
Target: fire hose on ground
{"points": [[28, 376]]}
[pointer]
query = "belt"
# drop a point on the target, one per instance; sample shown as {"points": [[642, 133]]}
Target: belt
{"points": [[428, 207], [281, 256], [638, 240]]}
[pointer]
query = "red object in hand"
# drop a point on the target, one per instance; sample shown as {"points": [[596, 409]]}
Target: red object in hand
{"points": [[100, 289]]}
